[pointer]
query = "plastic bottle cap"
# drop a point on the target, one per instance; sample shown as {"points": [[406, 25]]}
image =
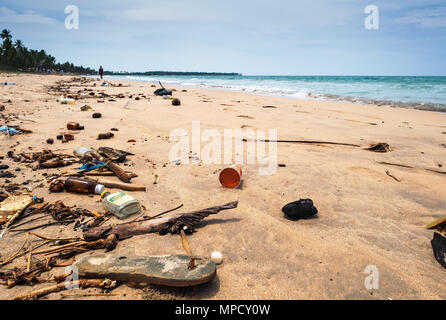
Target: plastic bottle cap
{"points": [[217, 257], [104, 194], [99, 189]]}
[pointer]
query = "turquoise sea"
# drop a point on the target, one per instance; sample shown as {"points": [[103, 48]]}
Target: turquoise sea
{"points": [[428, 93]]}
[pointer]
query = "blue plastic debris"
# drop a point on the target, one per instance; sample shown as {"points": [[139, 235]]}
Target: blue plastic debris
{"points": [[4, 129]]}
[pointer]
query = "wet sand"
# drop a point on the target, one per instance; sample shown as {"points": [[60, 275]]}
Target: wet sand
{"points": [[365, 218]]}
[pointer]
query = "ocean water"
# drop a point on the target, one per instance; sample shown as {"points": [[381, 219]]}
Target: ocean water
{"points": [[428, 93]]}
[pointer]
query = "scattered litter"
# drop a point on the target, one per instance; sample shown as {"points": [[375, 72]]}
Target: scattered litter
{"points": [[107, 135], [86, 107], [439, 224], [8, 130], [68, 137], [167, 270], [82, 185], [57, 186], [81, 151], [439, 247], [15, 203], [97, 115], [120, 204], [217, 257], [379, 147], [230, 177], [301, 209], [74, 126], [13, 206], [176, 102], [163, 91], [172, 224], [64, 100]]}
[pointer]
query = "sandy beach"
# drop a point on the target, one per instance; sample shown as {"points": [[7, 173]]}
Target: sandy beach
{"points": [[366, 217]]}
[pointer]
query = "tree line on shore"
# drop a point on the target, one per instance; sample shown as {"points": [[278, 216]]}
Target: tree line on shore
{"points": [[15, 56]]}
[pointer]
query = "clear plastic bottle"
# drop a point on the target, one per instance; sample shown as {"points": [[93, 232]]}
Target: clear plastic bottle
{"points": [[120, 204], [80, 185]]}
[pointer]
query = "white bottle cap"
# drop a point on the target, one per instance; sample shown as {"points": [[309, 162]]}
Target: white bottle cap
{"points": [[217, 257], [99, 188]]}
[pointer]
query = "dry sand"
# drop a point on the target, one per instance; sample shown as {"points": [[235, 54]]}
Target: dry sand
{"points": [[365, 216]]}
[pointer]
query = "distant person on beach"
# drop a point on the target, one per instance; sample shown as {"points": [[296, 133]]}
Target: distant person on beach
{"points": [[101, 71]]}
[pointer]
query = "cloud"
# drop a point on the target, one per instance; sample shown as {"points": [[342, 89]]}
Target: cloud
{"points": [[8, 15], [429, 18]]}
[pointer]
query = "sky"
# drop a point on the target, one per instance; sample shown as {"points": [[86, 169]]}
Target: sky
{"points": [[262, 37]]}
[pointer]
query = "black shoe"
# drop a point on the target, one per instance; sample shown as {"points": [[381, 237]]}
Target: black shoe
{"points": [[302, 209]]}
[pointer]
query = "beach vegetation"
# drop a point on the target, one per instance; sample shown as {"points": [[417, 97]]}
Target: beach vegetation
{"points": [[15, 56]]}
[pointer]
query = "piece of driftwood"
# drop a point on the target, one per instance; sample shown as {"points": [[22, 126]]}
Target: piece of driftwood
{"points": [[88, 294], [392, 176], [13, 256], [410, 167], [121, 185], [395, 164], [187, 248], [307, 142], [172, 224], [83, 283], [78, 245], [57, 163], [121, 173]]}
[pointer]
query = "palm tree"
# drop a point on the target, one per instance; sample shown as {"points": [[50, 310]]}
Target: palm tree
{"points": [[17, 55], [6, 34], [6, 56], [18, 44]]}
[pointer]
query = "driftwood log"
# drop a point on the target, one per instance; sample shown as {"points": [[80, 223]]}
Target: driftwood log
{"points": [[172, 224], [123, 175], [83, 283], [121, 185]]}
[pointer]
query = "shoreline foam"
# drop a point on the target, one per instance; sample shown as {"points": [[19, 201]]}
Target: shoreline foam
{"points": [[300, 94]]}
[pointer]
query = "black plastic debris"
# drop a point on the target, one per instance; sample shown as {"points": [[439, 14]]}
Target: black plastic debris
{"points": [[380, 147], [162, 92], [439, 247], [301, 209]]}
